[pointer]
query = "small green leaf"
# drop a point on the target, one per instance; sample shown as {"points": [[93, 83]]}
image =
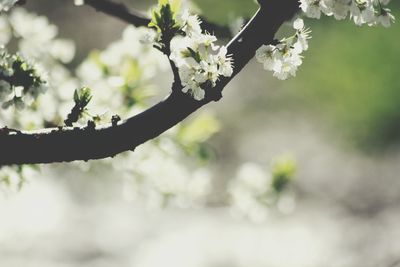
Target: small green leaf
{"points": [[82, 96], [76, 96], [163, 17], [199, 129], [176, 6], [283, 171], [194, 55]]}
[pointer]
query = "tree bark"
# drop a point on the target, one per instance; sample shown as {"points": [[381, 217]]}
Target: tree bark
{"points": [[87, 143]]}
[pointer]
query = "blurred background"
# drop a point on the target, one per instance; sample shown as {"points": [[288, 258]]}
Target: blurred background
{"points": [[339, 118]]}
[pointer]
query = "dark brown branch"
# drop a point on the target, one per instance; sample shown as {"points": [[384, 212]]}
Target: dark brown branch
{"points": [[138, 19], [221, 31], [119, 11], [87, 143]]}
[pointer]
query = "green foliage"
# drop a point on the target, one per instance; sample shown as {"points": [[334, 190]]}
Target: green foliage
{"points": [[193, 54], [24, 75], [163, 17], [351, 77], [199, 129], [82, 97], [283, 171], [17, 74], [193, 134]]}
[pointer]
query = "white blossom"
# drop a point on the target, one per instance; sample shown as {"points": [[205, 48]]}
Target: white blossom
{"points": [[302, 36], [370, 12], [191, 23], [337, 8], [224, 62], [265, 55], [200, 62], [362, 12], [312, 8], [285, 57], [287, 65], [149, 37], [386, 18]]}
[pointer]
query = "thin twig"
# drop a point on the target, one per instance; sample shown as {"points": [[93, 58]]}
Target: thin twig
{"points": [[119, 11], [138, 19]]}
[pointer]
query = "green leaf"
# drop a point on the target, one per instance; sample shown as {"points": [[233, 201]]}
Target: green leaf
{"points": [[283, 171], [194, 55], [163, 17], [76, 96], [199, 130], [82, 96], [176, 6]]}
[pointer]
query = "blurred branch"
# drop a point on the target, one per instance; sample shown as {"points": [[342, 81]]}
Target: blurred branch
{"points": [[119, 11], [88, 143], [138, 19], [395, 263]]}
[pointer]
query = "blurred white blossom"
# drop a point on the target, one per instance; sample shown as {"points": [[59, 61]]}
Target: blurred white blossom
{"points": [[79, 2], [63, 50], [5, 31], [249, 192], [5, 5], [255, 191]]}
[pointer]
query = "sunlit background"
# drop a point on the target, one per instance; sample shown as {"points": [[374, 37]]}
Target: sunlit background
{"points": [[339, 119]]}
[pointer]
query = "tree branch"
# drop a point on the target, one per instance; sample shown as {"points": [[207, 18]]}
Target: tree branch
{"points": [[88, 143], [138, 19], [119, 11]]}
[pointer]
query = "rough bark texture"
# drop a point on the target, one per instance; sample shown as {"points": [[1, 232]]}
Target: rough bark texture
{"points": [[86, 143]]}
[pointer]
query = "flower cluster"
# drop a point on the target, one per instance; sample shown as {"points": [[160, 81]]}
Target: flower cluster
{"points": [[200, 61], [369, 12], [19, 80], [284, 58], [36, 40], [123, 79]]}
